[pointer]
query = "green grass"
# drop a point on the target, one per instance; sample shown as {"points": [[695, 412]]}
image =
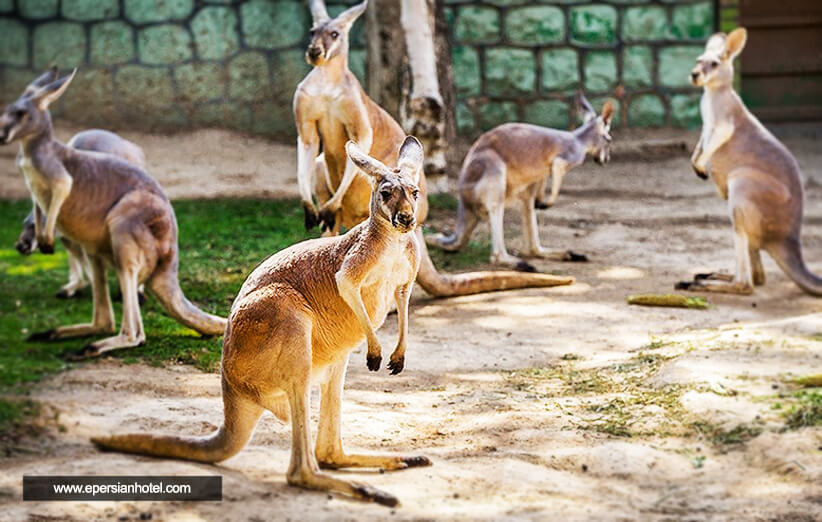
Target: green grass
{"points": [[806, 412], [220, 243]]}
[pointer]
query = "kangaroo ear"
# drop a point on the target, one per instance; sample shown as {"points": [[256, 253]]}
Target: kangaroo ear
{"points": [[44, 79], [318, 11], [735, 42], [48, 94], [587, 109], [607, 112], [410, 156], [350, 15], [716, 43], [366, 163]]}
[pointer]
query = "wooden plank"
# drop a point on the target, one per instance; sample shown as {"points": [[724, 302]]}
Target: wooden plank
{"points": [[783, 51]]}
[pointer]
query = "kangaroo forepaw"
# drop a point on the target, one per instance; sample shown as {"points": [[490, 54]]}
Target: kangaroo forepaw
{"points": [[524, 266], [45, 248], [48, 335], [327, 219], [396, 365], [375, 495], [141, 298], [64, 294], [700, 173], [311, 217], [86, 352], [417, 461], [373, 362], [685, 285], [541, 205], [574, 257]]}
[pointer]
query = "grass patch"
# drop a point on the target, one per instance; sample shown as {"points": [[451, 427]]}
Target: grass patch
{"points": [[221, 241], [16, 422], [806, 412], [719, 436]]}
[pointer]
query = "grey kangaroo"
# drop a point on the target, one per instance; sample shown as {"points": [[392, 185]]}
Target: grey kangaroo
{"points": [[96, 140], [753, 171], [510, 163], [113, 210]]}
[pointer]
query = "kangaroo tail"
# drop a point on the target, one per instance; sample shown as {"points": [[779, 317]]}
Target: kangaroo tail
{"points": [[451, 285], [788, 255], [241, 415], [466, 223], [166, 287]]}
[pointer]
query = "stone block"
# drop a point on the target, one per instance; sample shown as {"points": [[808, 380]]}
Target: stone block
{"points": [[466, 66], [600, 71], [593, 25], [15, 48], [685, 111], [59, 43], [477, 25], [37, 9], [6, 6], [560, 69], [273, 25], [288, 68], [163, 44], [248, 77], [143, 93], [509, 72], [637, 66], [644, 23], [535, 25], [148, 11], [496, 113], [90, 10], [675, 64], [90, 98], [215, 32], [693, 21], [548, 113], [111, 43], [200, 82], [465, 119], [646, 110]]}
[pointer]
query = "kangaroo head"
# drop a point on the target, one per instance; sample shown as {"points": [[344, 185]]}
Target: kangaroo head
{"points": [[329, 36], [714, 67], [28, 116], [395, 191], [598, 139]]}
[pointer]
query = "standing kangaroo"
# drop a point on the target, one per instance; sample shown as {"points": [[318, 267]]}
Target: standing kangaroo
{"points": [[331, 108], [298, 315], [753, 171], [113, 210], [93, 140], [509, 163]]}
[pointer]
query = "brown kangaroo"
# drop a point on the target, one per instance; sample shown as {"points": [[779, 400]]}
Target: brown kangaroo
{"points": [[330, 108], [297, 317], [753, 171], [114, 210]]}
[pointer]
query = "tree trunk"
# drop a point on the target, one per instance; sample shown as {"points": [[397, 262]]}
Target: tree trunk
{"points": [[409, 70]]}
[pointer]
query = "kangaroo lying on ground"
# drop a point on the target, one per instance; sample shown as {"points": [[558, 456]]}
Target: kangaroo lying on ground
{"points": [[509, 163], [96, 140], [298, 316], [753, 171], [330, 108], [113, 210]]}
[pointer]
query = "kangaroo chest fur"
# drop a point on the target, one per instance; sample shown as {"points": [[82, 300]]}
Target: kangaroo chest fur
{"points": [[36, 181]]}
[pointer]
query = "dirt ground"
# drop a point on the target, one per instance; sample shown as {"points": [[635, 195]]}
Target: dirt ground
{"points": [[563, 403]]}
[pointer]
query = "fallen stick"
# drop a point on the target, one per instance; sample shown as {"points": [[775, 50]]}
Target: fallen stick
{"points": [[809, 381], [669, 300]]}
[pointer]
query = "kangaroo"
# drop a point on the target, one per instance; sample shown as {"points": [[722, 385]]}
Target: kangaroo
{"points": [[297, 316], [96, 140], [509, 163], [113, 210], [331, 108], [753, 171]]}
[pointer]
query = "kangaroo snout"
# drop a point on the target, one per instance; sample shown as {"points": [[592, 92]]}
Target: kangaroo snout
{"points": [[405, 220], [314, 53], [694, 77]]}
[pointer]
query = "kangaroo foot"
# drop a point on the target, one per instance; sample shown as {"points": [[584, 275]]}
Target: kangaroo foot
{"points": [[86, 352]]}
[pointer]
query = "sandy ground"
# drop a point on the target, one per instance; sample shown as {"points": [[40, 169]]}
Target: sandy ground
{"points": [[513, 395]]}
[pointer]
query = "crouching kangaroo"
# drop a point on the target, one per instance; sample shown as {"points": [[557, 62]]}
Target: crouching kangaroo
{"points": [[330, 108], [298, 316], [113, 210], [509, 164], [753, 171], [95, 140]]}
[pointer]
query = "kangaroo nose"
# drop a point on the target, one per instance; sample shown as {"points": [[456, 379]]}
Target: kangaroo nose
{"points": [[405, 219], [694, 75], [314, 52]]}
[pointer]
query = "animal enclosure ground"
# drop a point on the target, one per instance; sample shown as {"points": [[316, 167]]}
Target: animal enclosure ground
{"points": [[563, 403]]}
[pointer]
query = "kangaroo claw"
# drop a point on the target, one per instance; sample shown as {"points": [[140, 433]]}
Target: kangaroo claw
{"points": [[48, 335], [574, 257], [373, 362], [45, 248], [311, 216], [684, 285], [417, 461], [375, 495], [524, 266], [396, 366], [86, 352]]}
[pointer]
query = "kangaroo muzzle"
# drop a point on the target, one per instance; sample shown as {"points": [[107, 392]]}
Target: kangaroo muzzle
{"points": [[404, 221]]}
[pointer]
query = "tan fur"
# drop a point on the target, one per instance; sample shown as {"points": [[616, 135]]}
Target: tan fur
{"points": [[753, 171], [297, 317], [114, 210], [509, 164], [95, 140], [330, 108]]}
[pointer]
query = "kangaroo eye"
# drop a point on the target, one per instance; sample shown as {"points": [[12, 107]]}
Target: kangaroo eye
{"points": [[415, 194], [714, 63], [312, 32], [334, 34], [386, 194], [20, 113]]}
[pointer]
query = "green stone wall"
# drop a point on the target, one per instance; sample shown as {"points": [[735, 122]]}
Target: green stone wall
{"points": [[171, 64], [166, 64], [525, 60]]}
